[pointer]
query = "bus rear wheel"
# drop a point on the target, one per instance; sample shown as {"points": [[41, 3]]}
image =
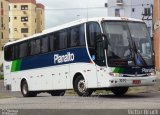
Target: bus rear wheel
{"points": [[119, 91], [24, 90], [58, 93], [80, 87]]}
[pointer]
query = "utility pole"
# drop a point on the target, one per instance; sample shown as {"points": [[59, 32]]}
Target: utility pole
{"points": [[156, 17]]}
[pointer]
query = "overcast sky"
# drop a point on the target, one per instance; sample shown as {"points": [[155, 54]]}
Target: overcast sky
{"points": [[62, 11]]}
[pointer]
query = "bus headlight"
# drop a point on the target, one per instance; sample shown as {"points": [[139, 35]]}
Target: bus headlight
{"points": [[115, 74], [151, 74]]}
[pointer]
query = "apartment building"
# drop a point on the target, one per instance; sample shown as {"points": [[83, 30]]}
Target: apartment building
{"points": [[40, 17], [4, 21], [157, 32], [4, 28], [26, 17], [140, 9]]}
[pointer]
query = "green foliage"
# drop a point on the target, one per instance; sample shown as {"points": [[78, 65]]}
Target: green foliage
{"points": [[1, 77]]}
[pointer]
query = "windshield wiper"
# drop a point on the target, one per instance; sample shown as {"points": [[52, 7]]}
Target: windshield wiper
{"points": [[138, 57]]}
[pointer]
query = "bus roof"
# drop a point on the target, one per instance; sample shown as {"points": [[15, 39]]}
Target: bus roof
{"points": [[74, 23]]}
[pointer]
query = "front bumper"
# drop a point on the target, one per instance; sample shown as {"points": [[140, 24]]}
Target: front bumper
{"points": [[131, 81]]}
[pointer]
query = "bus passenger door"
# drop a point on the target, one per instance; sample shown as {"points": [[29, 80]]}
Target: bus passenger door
{"points": [[100, 62]]}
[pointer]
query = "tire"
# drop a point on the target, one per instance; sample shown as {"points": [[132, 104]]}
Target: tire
{"points": [[58, 93], [119, 91], [24, 90], [80, 87]]}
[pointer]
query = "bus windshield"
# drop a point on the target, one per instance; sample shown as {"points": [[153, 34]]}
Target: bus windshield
{"points": [[129, 44]]}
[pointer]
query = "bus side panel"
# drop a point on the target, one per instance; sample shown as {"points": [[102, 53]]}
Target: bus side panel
{"points": [[102, 75], [87, 70], [7, 71], [60, 76]]}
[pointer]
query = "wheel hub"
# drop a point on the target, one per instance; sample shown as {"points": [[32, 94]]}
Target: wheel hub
{"points": [[81, 86]]}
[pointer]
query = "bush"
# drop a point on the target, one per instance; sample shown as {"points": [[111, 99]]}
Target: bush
{"points": [[1, 77]]}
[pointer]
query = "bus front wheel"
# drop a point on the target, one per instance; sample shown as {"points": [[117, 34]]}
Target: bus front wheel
{"points": [[24, 90], [80, 87], [119, 91]]}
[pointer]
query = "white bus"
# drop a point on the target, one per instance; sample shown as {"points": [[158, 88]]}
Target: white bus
{"points": [[85, 55]]}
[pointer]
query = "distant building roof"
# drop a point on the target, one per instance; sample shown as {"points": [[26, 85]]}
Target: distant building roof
{"points": [[39, 5], [23, 1]]}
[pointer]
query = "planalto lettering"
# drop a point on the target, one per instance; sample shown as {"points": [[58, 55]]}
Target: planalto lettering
{"points": [[63, 58]]}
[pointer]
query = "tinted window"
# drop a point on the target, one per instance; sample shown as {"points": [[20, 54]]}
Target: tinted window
{"points": [[35, 47], [93, 29], [54, 41], [16, 51], [44, 44], [63, 39], [9, 53], [23, 49], [74, 36], [77, 36], [82, 35]]}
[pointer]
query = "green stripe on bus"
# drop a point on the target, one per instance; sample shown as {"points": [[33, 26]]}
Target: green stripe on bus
{"points": [[118, 70], [16, 65]]}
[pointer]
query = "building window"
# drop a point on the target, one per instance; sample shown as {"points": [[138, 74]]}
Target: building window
{"points": [[24, 7], [15, 6], [1, 4], [24, 30], [15, 18], [117, 12], [133, 9], [2, 35], [147, 11], [9, 19], [15, 29], [24, 19]]}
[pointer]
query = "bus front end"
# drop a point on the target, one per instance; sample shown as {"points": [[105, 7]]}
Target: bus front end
{"points": [[126, 53]]}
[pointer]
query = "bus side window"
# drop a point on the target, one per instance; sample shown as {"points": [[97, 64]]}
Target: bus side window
{"points": [[74, 36], [82, 35], [54, 41], [93, 29], [9, 53], [38, 46], [32, 47], [16, 51], [44, 44], [23, 49], [51, 42], [63, 39], [77, 36]]}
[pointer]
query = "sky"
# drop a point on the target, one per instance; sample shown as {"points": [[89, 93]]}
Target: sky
{"points": [[58, 12]]}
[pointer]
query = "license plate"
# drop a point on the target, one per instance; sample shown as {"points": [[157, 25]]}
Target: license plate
{"points": [[136, 82]]}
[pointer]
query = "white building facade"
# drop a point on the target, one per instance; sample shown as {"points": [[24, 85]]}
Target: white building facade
{"points": [[140, 9]]}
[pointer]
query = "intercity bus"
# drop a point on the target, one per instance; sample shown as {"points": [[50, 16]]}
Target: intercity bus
{"points": [[111, 53]]}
